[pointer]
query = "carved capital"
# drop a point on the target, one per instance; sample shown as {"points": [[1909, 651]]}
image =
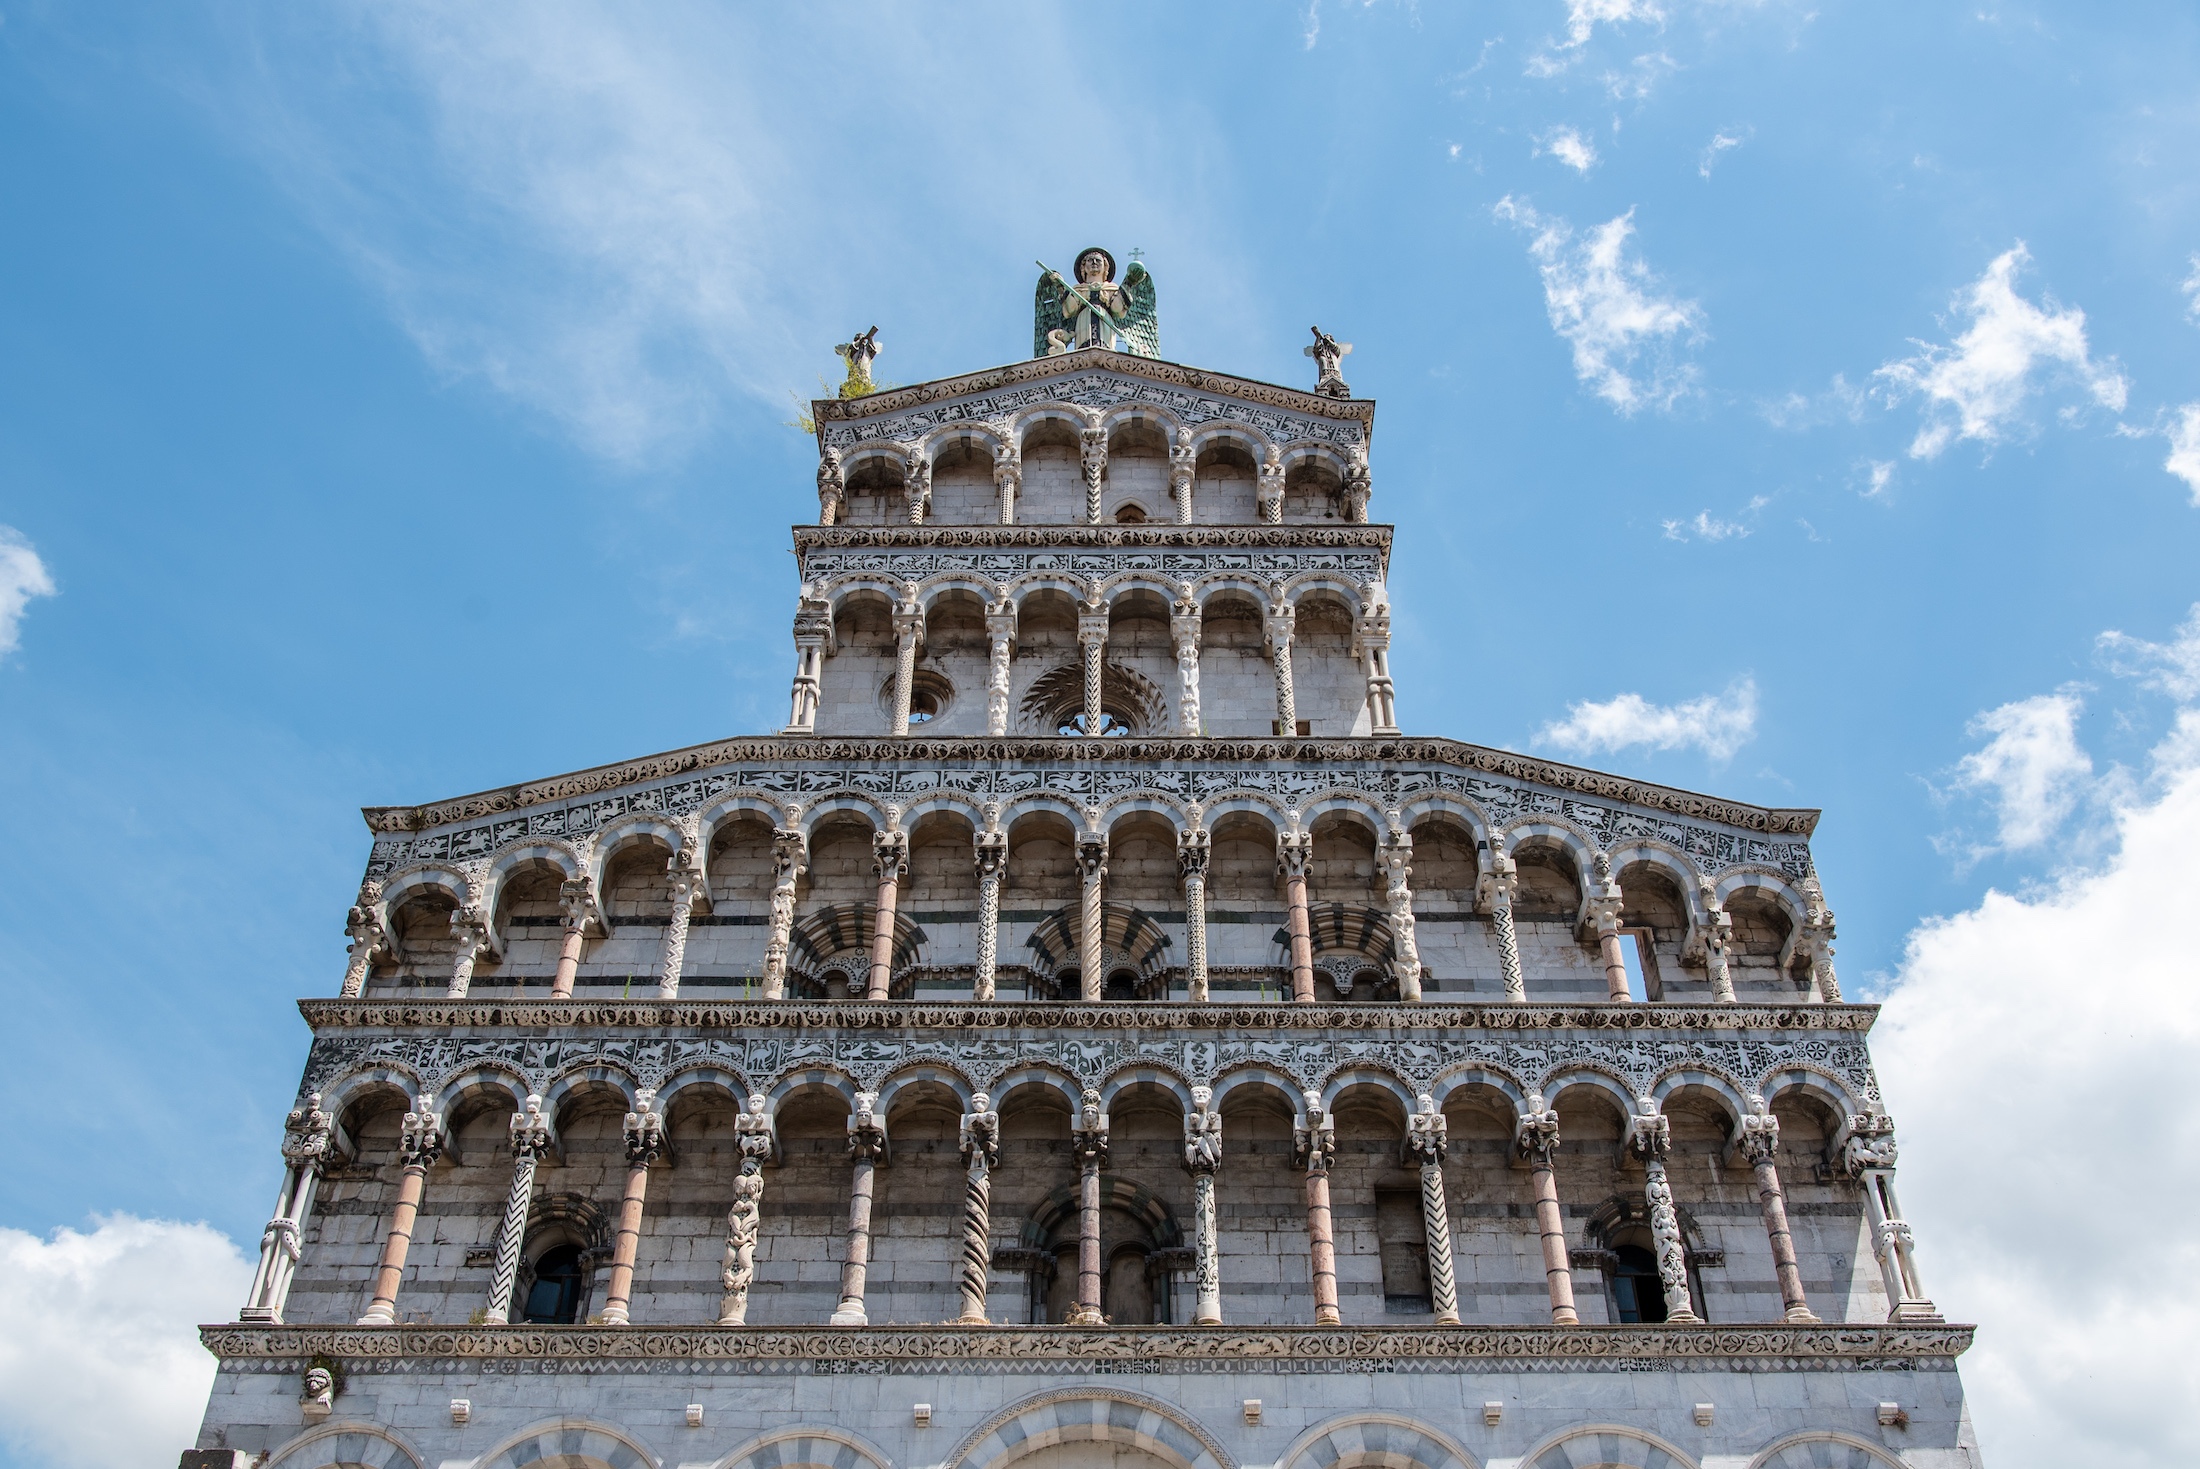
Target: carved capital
{"points": [[643, 1130], [980, 1138], [1203, 1133], [530, 1131], [753, 1134], [1313, 1134], [308, 1133], [1757, 1134], [1427, 1134], [992, 853], [1869, 1146], [1194, 848], [1294, 849], [1535, 1135], [420, 1137], [889, 854], [866, 1130], [1650, 1136], [1088, 1137], [1092, 856]]}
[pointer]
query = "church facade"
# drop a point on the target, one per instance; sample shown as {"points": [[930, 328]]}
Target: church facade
{"points": [[1090, 1032]]}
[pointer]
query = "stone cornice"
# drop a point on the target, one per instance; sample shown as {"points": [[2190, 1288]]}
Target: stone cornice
{"points": [[705, 1015], [944, 1348], [1147, 536], [1039, 369], [1302, 753]]}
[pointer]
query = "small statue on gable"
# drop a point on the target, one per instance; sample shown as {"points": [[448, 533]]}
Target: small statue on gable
{"points": [[1329, 354]]}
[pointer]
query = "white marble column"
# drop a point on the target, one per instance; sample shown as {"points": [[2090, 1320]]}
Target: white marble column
{"points": [[470, 926], [1816, 940], [1183, 465], [908, 636], [917, 488], [1868, 1155], [832, 489], [992, 862], [688, 893], [530, 1137], [813, 637], [1396, 857], [1537, 1141], [1427, 1137], [980, 1140], [644, 1135], [1371, 644], [790, 859], [369, 937], [1092, 638], [1092, 872], [1194, 846], [1359, 486], [419, 1144], [1282, 620], [578, 911], [1202, 1156], [1650, 1139], [1184, 631], [1269, 491], [1008, 478], [752, 1133], [1604, 910], [1000, 628], [308, 1137], [1092, 458], [1500, 885], [866, 1146]]}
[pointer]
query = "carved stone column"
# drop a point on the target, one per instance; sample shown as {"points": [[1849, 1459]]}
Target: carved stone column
{"points": [[1500, 885], [1314, 1145], [790, 858], [470, 926], [1294, 849], [308, 1136], [1817, 941], [1182, 464], [1000, 626], [1604, 908], [577, 906], [530, 1140], [1093, 459], [1008, 478], [752, 1135], [908, 635], [1868, 1155], [1371, 645], [981, 1149], [644, 1132], [1758, 1140], [1092, 872], [832, 489], [369, 938], [1537, 1140], [1395, 857], [1650, 1138], [1282, 619], [1359, 486], [1718, 943], [1092, 639], [889, 860], [1270, 489], [1202, 1156], [813, 636], [419, 1144], [917, 488], [866, 1145], [687, 892], [1089, 1141], [992, 859], [1184, 630], [1194, 846], [1427, 1137]]}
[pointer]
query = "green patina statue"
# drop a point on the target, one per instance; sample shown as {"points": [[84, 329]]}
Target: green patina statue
{"points": [[1095, 312]]}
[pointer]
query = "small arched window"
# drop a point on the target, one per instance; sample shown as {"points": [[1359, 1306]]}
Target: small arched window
{"points": [[1130, 515], [555, 1297], [1636, 1288]]}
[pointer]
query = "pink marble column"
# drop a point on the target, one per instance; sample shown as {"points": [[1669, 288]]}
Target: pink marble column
{"points": [[1538, 1141], [1314, 1141], [1758, 1140], [1090, 1143], [1294, 849], [889, 860], [866, 1145], [419, 1143]]}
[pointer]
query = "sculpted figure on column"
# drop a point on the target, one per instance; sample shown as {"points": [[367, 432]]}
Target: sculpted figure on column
{"points": [[1396, 859], [752, 1134], [1000, 628], [470, 927], [1202, 1156], [832, 488], [369, 939], [1816, 940], [790, 858], [1184, 631], [1868, 1155], [1182, 466], [1650, 1138], [1008, 477], [1359, 485], [308, 1138], [981, 1148], [1269, 490], [992, 862], [917, 488], [1427, 1137]]}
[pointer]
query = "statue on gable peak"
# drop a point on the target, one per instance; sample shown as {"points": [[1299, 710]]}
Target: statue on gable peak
{"points": [[1094, 311]]}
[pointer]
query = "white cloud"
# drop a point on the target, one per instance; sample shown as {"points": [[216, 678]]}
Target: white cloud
{"points": [[100, 1362], [2036, 1054], [22, 577], [2184, 448], [1882, 475], [1608, 307], [1584, 16], [2191, 288], [1717, 724], [1720, 142], [1568, 147], [2031, 768], [1706, 528], [2172, 668], [1975, 388]]}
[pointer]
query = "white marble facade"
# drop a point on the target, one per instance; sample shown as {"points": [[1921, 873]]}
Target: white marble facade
{"points": [[1089, 1032]]}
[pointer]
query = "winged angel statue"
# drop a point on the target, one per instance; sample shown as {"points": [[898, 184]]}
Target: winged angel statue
{"points": [[1095, 312]]}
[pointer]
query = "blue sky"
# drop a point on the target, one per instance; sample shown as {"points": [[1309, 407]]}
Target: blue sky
{"points": [[1777, 401]]}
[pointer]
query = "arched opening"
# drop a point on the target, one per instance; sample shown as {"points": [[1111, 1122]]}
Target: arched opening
{"points": [[1138, 472], [555, 1297], [1130, 515], [1762, 928], [861, 660], [1237, 682], [1260, 1208], [424, 947], [1244, 906], [877, 493], [1225, 483], [530, 922], [962, 484], [1653, 926], [1330, 691], [1054, 480], [1312, 490]]}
